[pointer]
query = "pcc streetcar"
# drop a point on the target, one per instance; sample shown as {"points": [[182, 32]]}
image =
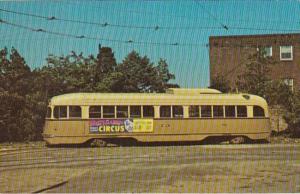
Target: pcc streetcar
{"points": [[177, 115]]}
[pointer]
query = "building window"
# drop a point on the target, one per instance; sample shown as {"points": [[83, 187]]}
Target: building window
{"points": [[267, 51], [95, 112], [74, 111], [177, 111], [286, 53], [290, 83]]}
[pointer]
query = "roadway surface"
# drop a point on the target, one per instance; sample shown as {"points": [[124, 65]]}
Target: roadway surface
{"points": [[193, 168]]}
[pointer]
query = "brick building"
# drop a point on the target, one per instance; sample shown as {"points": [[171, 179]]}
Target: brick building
{"points": [[228, 55]]}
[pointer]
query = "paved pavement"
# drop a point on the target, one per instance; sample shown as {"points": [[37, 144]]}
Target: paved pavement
{"points": [[193, 168]]}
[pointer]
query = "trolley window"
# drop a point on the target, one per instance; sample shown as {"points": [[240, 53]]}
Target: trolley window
{"points": [[108, 112], [48, 115], [74, 112], [218, 111], [194, 111], [206, 111], [258, 111], [148, 111], [230, 111], [122, 111], [60, 112], [241, 111], [95, 112], [165, 111], [177, 111], [135, 112]]}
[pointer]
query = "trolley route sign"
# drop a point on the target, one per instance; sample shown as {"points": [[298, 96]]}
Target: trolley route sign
{"points": [[120, 125]]}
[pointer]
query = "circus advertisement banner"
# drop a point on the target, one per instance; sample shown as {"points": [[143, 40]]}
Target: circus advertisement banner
{"points": [[121, 125]]}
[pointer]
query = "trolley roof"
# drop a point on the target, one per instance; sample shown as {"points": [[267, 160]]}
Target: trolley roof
{"points": [[171, 97]]}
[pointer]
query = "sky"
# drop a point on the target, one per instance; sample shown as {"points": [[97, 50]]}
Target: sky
{"points": [[184, 28]]}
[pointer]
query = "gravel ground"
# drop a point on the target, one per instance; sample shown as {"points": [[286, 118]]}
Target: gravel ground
{"points": [[33, 167]]}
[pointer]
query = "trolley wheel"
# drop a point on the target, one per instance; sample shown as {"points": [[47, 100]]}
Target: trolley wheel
{"points": [[98, 143], [238, 140]]}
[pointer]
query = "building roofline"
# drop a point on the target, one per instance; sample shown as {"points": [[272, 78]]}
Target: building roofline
{"points": [[254, 35]]}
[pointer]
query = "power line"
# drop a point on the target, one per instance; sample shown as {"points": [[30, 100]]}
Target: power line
{"points": [[157, 27], [40, 30], [212, 16], [176, 44], [106, 24]]}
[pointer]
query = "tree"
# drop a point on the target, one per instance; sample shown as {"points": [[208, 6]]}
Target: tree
{"points": [[164, 76], [16, 117], [15, 75], [220, 83], [292, 116], [65, 74], [105, 64], [140, 75], [255, 79]]}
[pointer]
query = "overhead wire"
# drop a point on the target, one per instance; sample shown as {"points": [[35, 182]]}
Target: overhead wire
{"points": [[212, 16], [154, 27], [130, 41], [106, 24], [41, 30]]}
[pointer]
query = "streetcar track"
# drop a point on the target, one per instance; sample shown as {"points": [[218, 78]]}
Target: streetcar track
{"points": [[150, 158]]}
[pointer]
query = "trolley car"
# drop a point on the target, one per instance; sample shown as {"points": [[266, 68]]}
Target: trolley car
{"points": [[177, 115]]}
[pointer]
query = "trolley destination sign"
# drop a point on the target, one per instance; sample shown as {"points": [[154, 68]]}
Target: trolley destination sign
{"points": [[121, 125]]}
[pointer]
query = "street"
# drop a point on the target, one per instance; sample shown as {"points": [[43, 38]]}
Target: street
{"points": [[189, 168]]}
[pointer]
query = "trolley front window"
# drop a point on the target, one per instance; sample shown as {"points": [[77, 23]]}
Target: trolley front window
{"points": [[48, 115], [95, 112], [108, 112], [258, 111], [60, 112]]}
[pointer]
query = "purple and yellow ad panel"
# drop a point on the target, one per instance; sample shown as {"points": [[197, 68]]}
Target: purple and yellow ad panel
{"points": [[121, 125]]}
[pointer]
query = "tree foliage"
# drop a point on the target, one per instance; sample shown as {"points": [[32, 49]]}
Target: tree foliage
{"points": [[256, 80], [18, 121], [139, 74], [220, 83], [24, 94]]}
